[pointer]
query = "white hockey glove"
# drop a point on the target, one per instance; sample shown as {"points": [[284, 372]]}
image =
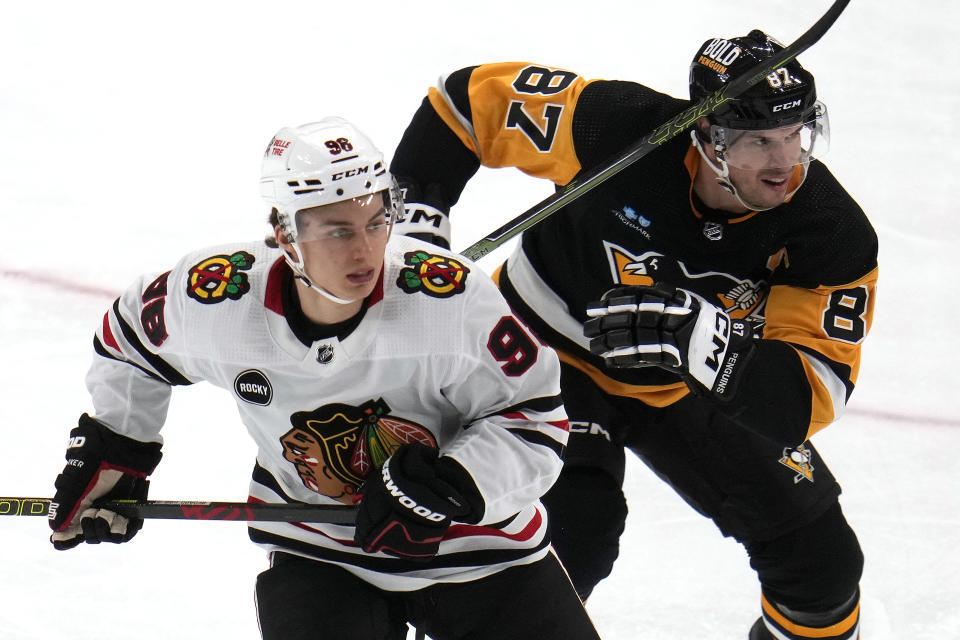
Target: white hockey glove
{"points": [[673, 329], [101, 465], [426, 213]]}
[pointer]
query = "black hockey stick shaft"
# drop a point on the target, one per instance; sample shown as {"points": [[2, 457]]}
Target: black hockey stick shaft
{"points": [[653, 140], [189, 510]]}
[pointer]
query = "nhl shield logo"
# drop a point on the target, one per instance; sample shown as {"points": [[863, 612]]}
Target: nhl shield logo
{"points": [[712, 230], [325, 353]]}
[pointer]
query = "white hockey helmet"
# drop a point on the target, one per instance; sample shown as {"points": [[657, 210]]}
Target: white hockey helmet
{"points": [[321, 163]]}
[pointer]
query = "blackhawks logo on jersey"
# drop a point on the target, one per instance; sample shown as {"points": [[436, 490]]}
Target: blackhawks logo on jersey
{"points": [[336, 446], [436, 276], [220, 277]]}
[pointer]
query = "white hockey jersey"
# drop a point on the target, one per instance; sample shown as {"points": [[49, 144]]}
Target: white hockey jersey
{"points": [[437, 357]]}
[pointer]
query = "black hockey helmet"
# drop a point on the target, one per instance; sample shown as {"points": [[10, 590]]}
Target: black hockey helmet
{"points": [[787, 96]]}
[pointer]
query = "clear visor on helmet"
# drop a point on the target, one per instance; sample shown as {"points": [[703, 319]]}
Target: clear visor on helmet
{"points": [[342, 222], [778, 148]]}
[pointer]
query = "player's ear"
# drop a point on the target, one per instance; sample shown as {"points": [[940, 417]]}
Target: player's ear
{"points": [[703, 130]]}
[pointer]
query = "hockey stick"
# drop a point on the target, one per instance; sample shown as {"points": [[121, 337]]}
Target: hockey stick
{"points": [[186, 510], [668, 130]]}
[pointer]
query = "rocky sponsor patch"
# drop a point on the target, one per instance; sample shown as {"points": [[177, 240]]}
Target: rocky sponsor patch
{"points": [[252, 386]]}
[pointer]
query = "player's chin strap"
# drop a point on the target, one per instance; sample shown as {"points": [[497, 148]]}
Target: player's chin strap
{"points": [[296, 265], [723, 175]]}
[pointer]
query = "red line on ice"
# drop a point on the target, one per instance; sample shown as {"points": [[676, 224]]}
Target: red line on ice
{"points": [[55, 282], [69, 286]]}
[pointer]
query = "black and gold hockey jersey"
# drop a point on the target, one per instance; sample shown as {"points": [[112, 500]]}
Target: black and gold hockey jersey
{"points": [[804, 272]]}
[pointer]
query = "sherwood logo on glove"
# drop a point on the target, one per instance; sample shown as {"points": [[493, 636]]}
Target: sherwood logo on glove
{"points": [[407, 501]]}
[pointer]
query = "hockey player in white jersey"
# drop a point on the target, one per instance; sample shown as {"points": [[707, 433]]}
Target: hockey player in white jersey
{"points": [[369, 370]]}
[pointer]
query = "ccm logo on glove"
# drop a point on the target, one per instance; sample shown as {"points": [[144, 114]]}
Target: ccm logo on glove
{"points": [[720, 333]]}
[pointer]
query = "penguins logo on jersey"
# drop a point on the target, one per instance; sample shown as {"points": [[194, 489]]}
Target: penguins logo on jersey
{"points": [[435, 275], [740, 299], [219, 278], [336, 446], [629, 269], [798, 460]]}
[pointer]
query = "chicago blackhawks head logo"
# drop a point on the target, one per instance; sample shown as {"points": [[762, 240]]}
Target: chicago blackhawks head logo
{"points": [[335, 447], [219, 277], [437, 276]]}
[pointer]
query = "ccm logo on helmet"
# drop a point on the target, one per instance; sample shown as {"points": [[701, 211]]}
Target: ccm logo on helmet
{"points": [[350, 173], [786, 105], [406, 501]]}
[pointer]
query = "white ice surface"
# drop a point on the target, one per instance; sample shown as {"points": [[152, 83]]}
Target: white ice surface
{"points": [[131, 133]]}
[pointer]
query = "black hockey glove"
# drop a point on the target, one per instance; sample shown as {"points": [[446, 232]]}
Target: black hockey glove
{"points": [[673, 329], [101, 465], [407, 507], [426, 213]]}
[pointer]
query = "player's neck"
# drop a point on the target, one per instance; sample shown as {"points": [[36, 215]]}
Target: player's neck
{"points": [[320, 310], [712, 194]]}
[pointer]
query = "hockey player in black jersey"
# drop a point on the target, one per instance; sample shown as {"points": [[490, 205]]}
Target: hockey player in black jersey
{"points": [[708, 304], [368, 369]]}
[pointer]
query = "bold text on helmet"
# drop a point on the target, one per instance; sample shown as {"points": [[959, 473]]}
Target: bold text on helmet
{"points": [[723, 51]]}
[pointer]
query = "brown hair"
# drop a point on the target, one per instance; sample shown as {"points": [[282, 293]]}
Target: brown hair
{"points": [[274, 221]]}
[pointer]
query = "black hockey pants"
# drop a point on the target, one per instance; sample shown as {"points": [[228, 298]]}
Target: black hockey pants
{"points": [[779, 502]]}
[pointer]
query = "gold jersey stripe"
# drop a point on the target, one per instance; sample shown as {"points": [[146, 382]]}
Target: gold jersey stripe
{"points": [[844, 626], [495, 104], [822, 412], [797, 315], [653, 395]]}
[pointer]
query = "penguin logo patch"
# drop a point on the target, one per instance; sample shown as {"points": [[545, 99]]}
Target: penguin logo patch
{"points": [[798, 460], [435, 275], [219, 278]]}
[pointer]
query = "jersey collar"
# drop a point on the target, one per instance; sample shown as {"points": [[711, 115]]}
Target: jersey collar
{"points": [[286, 339]]}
